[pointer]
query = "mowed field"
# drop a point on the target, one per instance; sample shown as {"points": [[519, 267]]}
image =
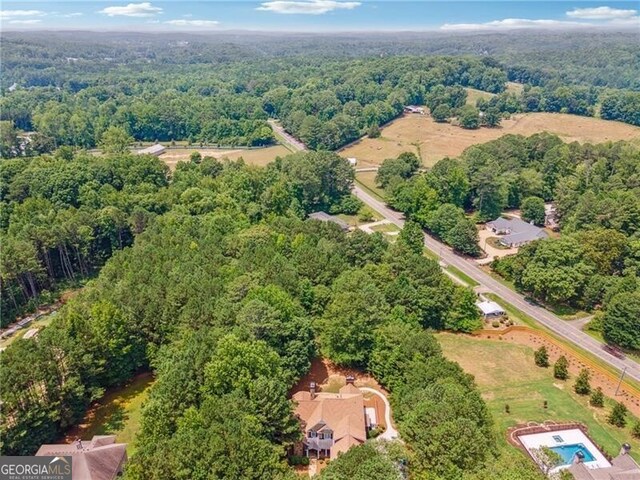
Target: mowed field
{"points": [[433, 141], [506, 375], [259, 156]]}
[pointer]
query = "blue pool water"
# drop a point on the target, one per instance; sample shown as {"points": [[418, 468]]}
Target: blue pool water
{"points": [[567, 452]]}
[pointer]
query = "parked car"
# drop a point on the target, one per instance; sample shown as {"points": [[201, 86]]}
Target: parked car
{"points": [[613, 350]]}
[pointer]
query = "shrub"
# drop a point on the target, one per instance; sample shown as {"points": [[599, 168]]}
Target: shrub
{"points": [[582, 386], [373, 132], [597, 398], [635, 430], [561, 368], [298, 460], [618, 415], [374, 432], [495, 324], [542, 357]]}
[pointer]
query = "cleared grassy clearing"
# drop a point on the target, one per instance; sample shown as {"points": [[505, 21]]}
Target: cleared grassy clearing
{"points": [[474, 95], [433, 141], [368, 181], [506, 375], [117, 413], [259, 156]]}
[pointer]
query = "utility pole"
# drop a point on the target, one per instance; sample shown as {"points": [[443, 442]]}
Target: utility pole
{"points": [[624, 370]]}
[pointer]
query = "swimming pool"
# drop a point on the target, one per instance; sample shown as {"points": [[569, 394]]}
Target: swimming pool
{"points": [[568, 452]]}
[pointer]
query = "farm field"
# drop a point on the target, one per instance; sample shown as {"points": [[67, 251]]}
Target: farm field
{"points": [[506, 375], [368, 180], [117, 413], [433, 141], [259, 156]]}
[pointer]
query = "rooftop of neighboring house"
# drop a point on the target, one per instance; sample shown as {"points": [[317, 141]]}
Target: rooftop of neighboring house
{"points": [[325, 217], [342, 413], [623, 467], [518, 231], [100, 458]]}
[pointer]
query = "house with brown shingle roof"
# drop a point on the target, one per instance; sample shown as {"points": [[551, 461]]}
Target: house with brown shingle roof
{"points": [[101, 458], [332, 422]]}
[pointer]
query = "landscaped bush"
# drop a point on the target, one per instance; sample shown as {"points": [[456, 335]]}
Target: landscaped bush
{"points": [[298, 460], [495, 324]]}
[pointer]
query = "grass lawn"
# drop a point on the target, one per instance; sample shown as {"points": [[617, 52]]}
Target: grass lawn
{"points": [[462, 276], [566, 312], [354, 220], [505, 374], [385, 228], [117, 413], [473, 95], [367, 180]]}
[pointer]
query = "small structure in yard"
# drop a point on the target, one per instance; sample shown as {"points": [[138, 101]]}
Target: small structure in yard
{"points": [[155, 150], [490, 309], [352, 161], [101, 458], [332, 422], [515, 232], [414, 109], [32, 332], [325, 217]]}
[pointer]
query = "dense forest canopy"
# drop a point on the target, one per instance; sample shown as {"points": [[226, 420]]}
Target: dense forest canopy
{"points": [[221, 89], [227, 294]]}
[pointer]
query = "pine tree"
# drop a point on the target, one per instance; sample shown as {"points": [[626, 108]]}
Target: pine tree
{"points": [[582, 386], [561, 368], [597, 398], [542, 357], [618, 415]]}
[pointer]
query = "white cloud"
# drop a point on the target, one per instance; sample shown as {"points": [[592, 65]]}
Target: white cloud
{"points": [[32, 21], [74, 14], [21, 13], [193, 23], [144, 9], [312, 7], [600, 13], [508, 23]]}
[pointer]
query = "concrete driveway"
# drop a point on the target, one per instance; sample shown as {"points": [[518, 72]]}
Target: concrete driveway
{"points": [[390, 433]]}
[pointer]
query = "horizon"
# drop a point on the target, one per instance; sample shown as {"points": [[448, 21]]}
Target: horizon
{"points": [[318, 16]]}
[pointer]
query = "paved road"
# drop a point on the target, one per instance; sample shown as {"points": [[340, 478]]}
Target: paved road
{"points": [[561, 327], [390, 433], [543, 316], [292, 141]]}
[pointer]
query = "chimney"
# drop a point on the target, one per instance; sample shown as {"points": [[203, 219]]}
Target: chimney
{"points": [[351, 380], [312, 390], [626, 448]]}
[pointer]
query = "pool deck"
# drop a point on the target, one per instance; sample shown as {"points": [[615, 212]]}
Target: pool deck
{"points": [[569, 437]]}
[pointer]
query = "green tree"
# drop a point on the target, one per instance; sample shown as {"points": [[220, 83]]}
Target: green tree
{"points": [[464, 315], [363, 462], [621, 323], [412, 237], [597, 398], [491, 117], [582, 386], [195, 157], [463, 237], [635, 430], [561, 368], [469, 117], [618, 415], [115, 140], [533, 210], [541, 357], [441, 113], [373, 131]]}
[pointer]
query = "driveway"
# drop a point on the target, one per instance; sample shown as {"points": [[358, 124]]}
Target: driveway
{"points": [[491, 251], [390, 433]]}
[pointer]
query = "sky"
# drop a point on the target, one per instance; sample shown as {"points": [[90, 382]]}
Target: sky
{"points": [[317, 15]]}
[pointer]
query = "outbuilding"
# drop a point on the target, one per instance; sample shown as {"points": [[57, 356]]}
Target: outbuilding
{"points": [[155, 150], [490, 309]]}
